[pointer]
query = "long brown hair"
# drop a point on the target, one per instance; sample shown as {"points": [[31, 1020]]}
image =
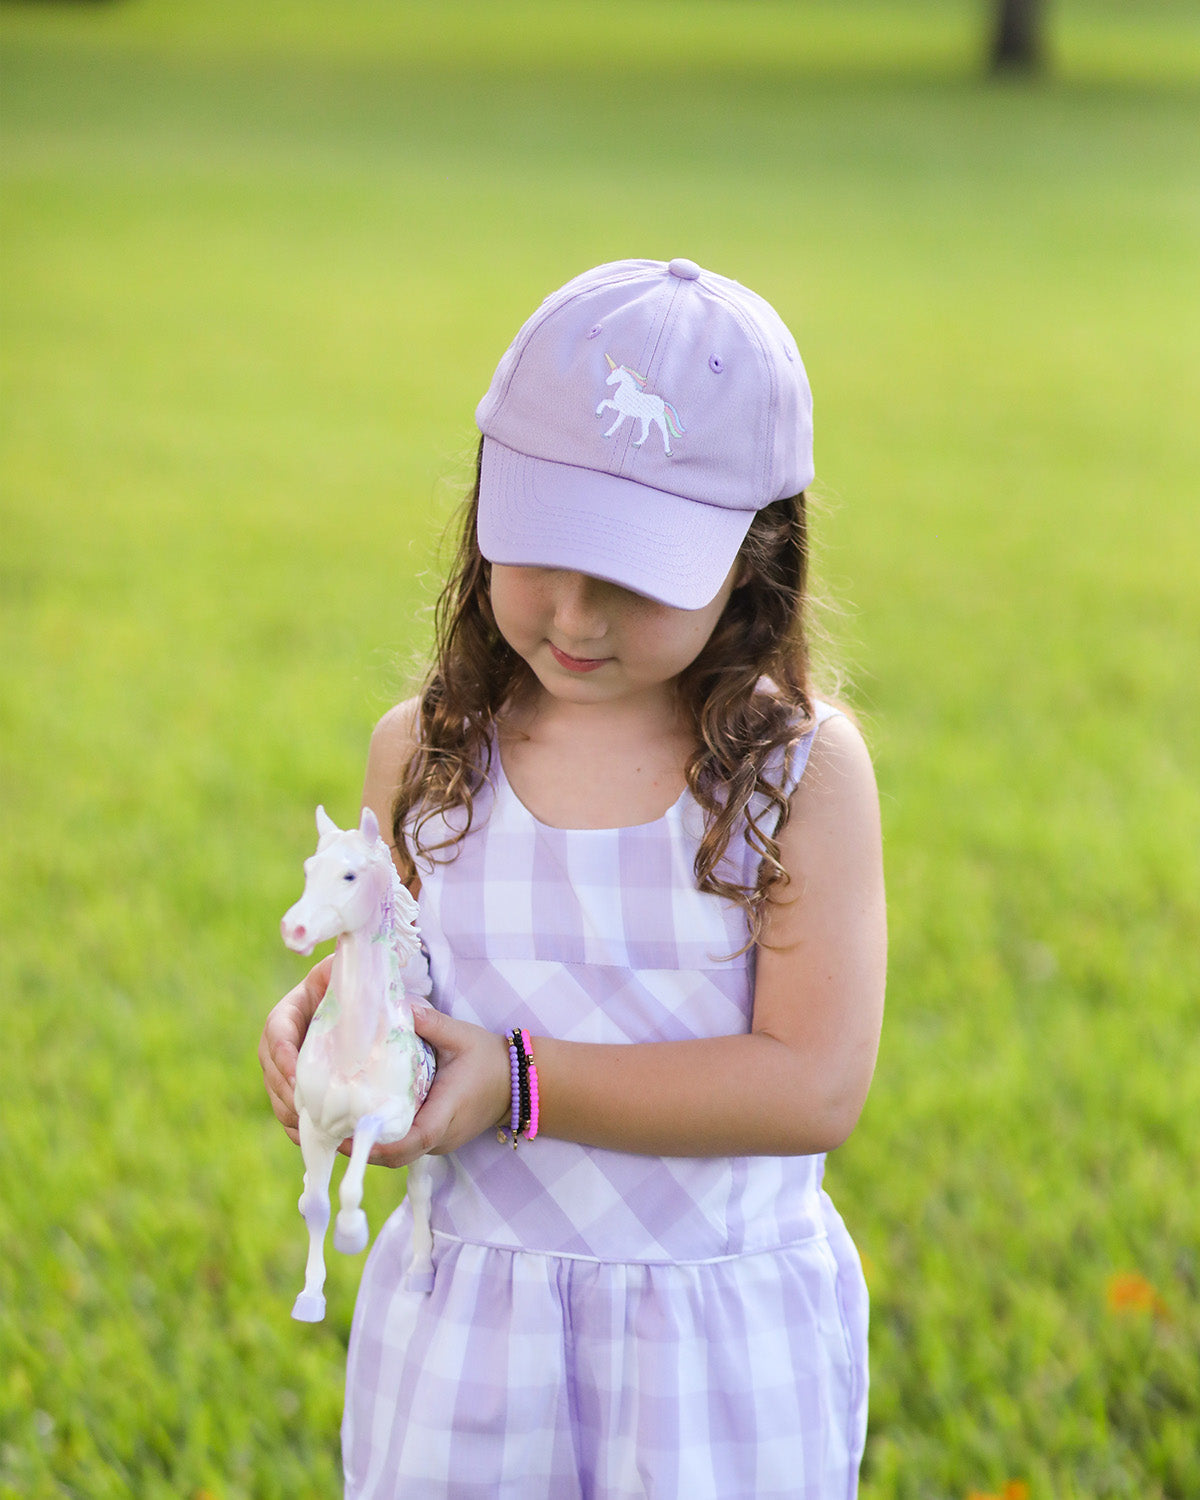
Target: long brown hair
{"points": [[747, 694]]}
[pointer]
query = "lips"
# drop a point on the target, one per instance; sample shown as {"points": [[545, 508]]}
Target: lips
{"points": [[576, 663]]}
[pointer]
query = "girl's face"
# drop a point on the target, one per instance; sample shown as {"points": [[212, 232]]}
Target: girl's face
{"points": [[588, 641]]}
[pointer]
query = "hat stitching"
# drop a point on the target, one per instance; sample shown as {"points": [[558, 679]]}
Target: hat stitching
{"points": [[757, 342]]}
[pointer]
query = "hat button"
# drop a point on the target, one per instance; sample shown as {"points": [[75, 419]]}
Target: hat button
{"points": [[686, 270]]}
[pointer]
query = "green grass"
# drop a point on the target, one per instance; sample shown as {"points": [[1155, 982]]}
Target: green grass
{"points": [[258, 263]]}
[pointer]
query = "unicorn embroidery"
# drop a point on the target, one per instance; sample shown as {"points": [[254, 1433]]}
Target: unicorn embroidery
{"points": [[632, 399]]}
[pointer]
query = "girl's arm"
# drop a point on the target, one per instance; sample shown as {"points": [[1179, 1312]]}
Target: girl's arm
{"points": [[795, 1084]]}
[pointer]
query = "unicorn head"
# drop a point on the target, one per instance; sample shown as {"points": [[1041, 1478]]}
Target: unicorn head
{"points": [[349, 882], [618, 371]]}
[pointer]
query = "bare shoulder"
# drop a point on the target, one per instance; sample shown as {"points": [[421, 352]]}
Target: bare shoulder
{"points": [[839, 767], [832, 846], [396, 733], [392, 742]]}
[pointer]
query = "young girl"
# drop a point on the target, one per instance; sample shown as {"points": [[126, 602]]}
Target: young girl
{"points": [[649, 870]]}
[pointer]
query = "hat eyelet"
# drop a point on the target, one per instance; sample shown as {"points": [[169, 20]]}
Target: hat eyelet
{"points": [[715, 363], [595, 332]]}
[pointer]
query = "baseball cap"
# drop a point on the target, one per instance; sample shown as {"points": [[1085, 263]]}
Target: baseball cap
{"points": [[636, 424]]}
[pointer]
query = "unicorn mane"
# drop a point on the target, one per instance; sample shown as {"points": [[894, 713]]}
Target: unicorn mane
{"points": [[633, 374], [400, 911]]}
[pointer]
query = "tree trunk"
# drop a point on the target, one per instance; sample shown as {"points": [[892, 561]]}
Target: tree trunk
{"points": [[1017, 36]]}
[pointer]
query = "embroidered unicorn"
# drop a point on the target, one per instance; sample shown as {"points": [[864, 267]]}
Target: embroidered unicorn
{"points": [[632, 399], [363, 1070]]}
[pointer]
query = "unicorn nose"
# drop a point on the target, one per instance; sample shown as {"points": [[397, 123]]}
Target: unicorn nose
{"points": [[686, 270], [295, 935]]}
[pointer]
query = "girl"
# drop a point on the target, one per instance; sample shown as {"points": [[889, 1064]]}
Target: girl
{"points": [[649, 870]]}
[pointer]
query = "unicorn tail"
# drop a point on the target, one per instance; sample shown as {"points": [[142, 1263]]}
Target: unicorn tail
{"points": [[677, 427]]}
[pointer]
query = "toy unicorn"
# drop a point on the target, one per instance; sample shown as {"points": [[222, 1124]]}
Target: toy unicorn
{"points": [[362, 1070]]}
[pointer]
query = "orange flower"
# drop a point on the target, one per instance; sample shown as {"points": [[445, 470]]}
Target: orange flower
{"points": [[1129, 1292], [1015, 1489]]}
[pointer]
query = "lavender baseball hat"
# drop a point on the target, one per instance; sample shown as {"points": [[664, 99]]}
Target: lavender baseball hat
{"points": [[635, 425]]}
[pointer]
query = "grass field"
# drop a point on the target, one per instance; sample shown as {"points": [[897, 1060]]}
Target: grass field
{"points": [[258, 263]]}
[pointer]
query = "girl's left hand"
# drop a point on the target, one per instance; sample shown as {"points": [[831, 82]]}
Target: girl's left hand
{"points": [[471, 1092]]}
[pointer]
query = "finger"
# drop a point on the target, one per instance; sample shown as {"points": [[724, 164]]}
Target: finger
{"points": [[278, 1080], [288, 1118], [397, 1153], [285, 1027], [391, 1156], [278, 1059], [283, 1059]]}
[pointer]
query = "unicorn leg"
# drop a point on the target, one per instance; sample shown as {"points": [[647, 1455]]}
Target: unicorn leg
{"points": [[420, 1196], [350, 1233], [314, 1205]]}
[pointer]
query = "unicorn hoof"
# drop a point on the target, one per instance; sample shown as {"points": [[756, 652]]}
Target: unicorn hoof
{"points": [[351, 1237], [309, 1308]]}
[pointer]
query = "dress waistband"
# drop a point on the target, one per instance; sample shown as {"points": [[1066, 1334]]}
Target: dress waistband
{"points": [[818, 1234]]}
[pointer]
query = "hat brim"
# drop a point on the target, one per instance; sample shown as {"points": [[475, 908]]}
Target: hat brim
{"points": [[534, 512]]}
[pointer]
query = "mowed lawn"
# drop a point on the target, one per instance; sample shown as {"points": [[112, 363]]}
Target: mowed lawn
{"points": [[258, 264]]}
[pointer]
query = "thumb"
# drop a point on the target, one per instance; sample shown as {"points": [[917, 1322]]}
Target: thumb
{"points": [[430, 1024], [446, 1035]]}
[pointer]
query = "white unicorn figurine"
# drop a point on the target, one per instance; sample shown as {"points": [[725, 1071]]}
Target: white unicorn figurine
{"points": [[362, 1070], [632, 399]]}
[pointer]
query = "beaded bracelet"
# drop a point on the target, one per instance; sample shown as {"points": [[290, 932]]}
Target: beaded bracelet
{"points": [[531, 1128], [523, 1116]]}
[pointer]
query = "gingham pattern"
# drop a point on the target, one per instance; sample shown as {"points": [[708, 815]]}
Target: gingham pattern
{"points": [[604, 1325]]}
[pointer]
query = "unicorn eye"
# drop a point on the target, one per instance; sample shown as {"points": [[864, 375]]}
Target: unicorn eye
{"points": [[349, 875]]}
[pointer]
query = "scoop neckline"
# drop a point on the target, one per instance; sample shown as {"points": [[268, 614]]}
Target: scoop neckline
{"points": [[669, 815]]}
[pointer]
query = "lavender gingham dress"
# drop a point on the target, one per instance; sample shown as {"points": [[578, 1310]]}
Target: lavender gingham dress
{"points": [[604, 1326]]}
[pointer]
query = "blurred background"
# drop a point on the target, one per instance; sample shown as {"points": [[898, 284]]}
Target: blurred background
{"points": [[258, 265]]}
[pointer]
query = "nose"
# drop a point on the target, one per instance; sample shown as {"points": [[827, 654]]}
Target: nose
{"points": [[295, 934], [579, 611]]}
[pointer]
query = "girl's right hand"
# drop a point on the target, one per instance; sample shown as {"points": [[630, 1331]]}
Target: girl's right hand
{"points": [[279, 1046]]}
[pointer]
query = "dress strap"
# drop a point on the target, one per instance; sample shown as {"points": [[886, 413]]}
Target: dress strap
{"points": [[801, 749]]}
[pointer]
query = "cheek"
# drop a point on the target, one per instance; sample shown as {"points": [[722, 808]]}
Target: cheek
{"points": [[701, 624], [674, 644], [500, 592], [516, 607]]}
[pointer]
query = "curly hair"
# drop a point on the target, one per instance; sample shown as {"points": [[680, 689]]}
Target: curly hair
{"points": [[747, 693]]}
